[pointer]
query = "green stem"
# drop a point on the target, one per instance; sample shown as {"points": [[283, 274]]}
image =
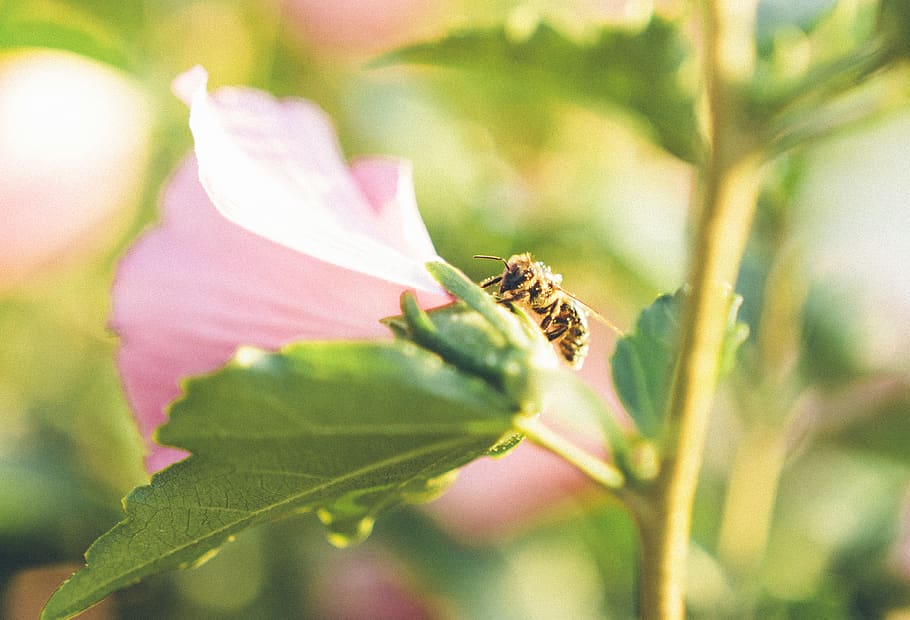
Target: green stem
{"points": [[727, 197], [751, 492], [599, 471]]}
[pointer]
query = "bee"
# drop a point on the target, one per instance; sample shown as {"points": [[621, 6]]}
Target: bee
{"points": [[531, 285]]}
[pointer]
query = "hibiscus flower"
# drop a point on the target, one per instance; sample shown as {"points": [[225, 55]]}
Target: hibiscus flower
{"points": [[267, 237], [320, 250]]}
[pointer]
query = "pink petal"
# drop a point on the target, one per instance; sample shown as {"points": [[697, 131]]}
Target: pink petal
{"points": [[388, 184], [494, 497], [195, 288], [275, 168]]}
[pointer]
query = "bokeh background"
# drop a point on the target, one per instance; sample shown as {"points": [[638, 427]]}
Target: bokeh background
{"points": [[804, 506]]}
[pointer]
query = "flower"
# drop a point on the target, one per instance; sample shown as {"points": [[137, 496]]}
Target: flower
{"points": [[274, 167], [269, 237], [320, 251]]}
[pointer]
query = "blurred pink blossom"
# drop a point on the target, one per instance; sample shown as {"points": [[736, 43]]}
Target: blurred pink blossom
{"points": [[73, 142], [362, 26], [364, 584]]}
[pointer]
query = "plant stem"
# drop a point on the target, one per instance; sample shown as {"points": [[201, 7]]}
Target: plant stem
{"points": [[599, 471], [751, 492], [726, 203]]}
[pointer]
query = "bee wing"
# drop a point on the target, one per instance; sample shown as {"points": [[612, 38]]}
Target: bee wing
{"points": [[593, 313], [275, 168]]}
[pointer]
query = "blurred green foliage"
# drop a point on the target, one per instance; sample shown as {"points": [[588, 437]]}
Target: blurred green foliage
{"points": [[636, 71], [542, 139]]}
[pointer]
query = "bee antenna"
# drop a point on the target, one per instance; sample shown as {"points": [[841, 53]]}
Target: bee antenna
{"points": [[489, 257]]}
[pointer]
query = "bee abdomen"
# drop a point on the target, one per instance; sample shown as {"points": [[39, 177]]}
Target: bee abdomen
{"points": [[574, 344]]}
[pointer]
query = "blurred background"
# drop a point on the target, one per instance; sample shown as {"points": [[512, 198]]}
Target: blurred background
{"points": [[804, 506]]}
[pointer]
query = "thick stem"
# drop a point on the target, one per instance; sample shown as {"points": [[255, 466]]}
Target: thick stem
{"points": [[727, 214], [729, 190]]}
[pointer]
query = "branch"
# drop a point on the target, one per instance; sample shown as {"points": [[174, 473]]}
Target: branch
{"points": [[727, 196]]}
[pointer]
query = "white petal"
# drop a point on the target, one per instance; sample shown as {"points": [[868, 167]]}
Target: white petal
{"points": [[274, 167]]}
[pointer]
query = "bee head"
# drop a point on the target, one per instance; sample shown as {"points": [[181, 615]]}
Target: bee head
{"points": [[523, 277], [521, 271]]}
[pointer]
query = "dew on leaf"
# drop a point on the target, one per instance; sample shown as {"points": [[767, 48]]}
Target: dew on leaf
{"points": [[345, 532], [421, 491]]}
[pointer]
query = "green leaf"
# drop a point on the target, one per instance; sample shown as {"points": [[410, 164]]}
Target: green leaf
{"points": [[63, 26], [635, 70], [894, 24], [343, 429], [869, 416], [644, 362], [475, 297]]}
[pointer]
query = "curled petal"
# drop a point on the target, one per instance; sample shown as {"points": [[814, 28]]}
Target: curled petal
{"points": [[274, 167], [198, 286]]}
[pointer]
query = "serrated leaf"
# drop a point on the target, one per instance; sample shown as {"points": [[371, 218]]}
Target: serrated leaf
{"points": [[636, 70], [344, 429], [644, 362]]}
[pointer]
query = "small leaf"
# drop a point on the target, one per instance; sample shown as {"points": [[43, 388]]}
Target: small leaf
{"points": [[344, 429], [737, 334], [644, 362], [634, 69]]}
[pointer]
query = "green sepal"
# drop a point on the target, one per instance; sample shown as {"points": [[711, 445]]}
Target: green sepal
{"points": [[496, 343], [506, 348]]}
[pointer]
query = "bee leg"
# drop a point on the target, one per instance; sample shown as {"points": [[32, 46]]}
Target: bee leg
{"points": [[513, 297], [556, 332], [551, 312], [490, 281]]}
